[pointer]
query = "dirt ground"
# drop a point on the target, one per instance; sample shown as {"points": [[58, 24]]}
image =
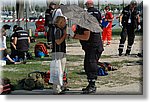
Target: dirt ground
{"points": [[128, 78]]}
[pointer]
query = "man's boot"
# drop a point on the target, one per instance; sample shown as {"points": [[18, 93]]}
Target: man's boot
{"points": [[127, 52], [91, 88], [120, 51]]}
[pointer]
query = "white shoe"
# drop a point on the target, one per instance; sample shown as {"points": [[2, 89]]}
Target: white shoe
{"points": [[104, 45]]}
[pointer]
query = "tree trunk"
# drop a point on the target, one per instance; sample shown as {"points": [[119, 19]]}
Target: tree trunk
{"points": [[20, 11]]}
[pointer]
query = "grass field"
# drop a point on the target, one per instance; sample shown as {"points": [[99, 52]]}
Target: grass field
{"points": [[76, 75]]}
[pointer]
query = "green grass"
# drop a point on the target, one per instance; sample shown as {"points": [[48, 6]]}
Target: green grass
{"points": [[124, 62], [76, 75], [18, 72], [106, 56], [116, 32], [74, 58]]}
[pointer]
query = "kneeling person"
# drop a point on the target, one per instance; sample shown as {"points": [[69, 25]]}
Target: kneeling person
{"points": [[21, 41]]}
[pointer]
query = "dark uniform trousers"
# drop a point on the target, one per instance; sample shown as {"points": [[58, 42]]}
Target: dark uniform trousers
{"points": [[90, 63], [127, 31], [94, 52], [129, 22], [22, 55], [50, 30]]}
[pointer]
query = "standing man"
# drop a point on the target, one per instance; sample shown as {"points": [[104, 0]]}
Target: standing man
{"points": [[49, 20], [107, 31], [93, 11], [92, 45], [129, 20], [21, 41]]}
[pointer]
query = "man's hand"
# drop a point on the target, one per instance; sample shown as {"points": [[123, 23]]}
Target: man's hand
{"points": [[46, 28], [139, 27], [120, 24], [1, 89], [106, 20], [73, 37]]}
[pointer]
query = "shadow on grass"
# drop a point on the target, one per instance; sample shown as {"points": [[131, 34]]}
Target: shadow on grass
{"points": [[40, 59], [81, 73]]}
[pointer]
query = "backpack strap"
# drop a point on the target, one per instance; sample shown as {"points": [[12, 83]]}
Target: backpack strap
{"points": [[53, 15], [42, 73]]}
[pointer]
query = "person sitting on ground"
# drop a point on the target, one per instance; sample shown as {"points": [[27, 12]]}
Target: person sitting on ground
{"points": [[9, 60], [3, 48], [12, 46]]}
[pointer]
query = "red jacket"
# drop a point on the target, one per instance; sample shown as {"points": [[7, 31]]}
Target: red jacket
{"points": [[40, 26], [109, 15]]}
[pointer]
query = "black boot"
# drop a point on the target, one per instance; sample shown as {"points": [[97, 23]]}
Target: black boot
{"points": [[127, 52], [120, 51], [91, 88]]}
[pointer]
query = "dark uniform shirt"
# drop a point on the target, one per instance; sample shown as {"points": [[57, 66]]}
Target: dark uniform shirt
{"points": [[22, 40], [94, 41], [129, 17], [58, 33], [48, 17], [93, 11]]}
